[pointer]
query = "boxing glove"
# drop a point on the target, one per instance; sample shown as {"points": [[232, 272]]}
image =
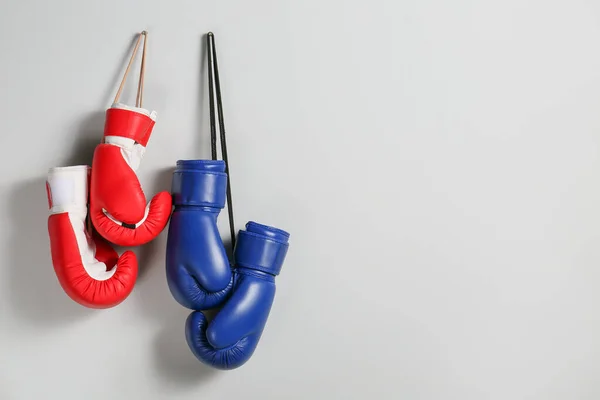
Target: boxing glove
{"points": [[198, 271], [229, 340], [87, 267], [117, 203]]}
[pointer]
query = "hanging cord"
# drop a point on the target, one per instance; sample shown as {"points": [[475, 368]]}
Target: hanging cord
{"points": [[138, 99], [213, 78], [140, 92], [211, 96]]}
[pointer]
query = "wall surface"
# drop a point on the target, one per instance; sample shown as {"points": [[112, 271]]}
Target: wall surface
{"points": [[436, 163]]}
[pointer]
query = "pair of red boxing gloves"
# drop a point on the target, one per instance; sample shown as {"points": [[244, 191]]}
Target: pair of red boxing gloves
{"points": [[89, 270], [91, 207]]}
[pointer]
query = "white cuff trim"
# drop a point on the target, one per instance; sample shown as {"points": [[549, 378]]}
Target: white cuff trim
{"points": [[138, 110], [68, 188]]}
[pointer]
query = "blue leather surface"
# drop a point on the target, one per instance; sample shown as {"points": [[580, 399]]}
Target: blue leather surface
{"points": [[229, 340], [198, 272]]}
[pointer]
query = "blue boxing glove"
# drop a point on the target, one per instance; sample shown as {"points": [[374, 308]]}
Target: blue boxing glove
{"points": [[198, 270], [229, 340]]}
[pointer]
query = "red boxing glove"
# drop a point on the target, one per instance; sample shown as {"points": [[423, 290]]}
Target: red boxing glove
{"points": [[117, 203], [89, 270]]}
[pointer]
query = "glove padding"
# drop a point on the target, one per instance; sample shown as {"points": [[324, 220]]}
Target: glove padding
{"points": [[229, 340], [198, 270], [88, 269], [117, 203]]}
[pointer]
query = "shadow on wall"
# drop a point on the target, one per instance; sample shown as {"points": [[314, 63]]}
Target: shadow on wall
{"points": [[35, 292], [155, 250], [174, 361]]}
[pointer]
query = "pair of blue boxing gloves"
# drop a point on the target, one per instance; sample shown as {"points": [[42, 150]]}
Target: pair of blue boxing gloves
{"points": [[201, 277]]}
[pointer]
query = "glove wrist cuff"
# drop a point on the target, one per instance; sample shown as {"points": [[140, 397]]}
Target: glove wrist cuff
{"points": [[129, 122], [67, 188], [262, 248], [199, 183]]}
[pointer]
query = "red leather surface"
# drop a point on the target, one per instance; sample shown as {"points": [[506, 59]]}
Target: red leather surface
{"points": [[73, 277], [158, 216], [115, 186], [128, 124]]}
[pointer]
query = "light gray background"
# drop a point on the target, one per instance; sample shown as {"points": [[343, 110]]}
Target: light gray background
{"points": [[437, 164]]}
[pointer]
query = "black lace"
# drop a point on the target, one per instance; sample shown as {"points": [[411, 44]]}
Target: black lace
{"points": [[214, 85]]}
